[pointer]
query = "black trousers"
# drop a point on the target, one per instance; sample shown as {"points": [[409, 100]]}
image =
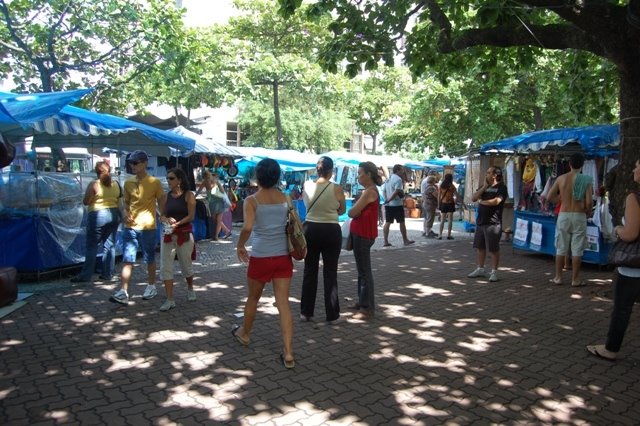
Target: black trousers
{"points": [[322, 239]]}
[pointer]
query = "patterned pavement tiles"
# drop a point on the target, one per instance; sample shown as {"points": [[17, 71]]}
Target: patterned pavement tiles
{"points": [[442, 349]]}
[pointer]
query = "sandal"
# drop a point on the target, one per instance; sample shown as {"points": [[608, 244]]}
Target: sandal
{"points": [[578, 283], [288, 364], [599, 351], [234, 333], [355, 307], [557, 281], [386, 245]]}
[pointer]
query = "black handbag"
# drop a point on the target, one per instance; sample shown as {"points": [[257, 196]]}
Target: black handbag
{"points": [[625, 253]]}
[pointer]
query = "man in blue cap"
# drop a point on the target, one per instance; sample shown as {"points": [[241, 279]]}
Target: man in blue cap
{"points": [[142, 197]]}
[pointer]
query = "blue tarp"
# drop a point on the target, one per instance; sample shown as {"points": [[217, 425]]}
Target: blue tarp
{"points": [[24, 109], [288, 159], [594, 140]]}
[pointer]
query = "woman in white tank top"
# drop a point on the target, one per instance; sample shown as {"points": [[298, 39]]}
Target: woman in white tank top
{"points": [[265, 216]]}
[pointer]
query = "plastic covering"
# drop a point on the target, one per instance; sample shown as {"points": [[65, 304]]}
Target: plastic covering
{"points": [[42, 219]]}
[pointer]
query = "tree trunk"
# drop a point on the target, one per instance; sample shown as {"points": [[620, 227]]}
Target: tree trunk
{"points": [[537, 118], [276, 112], [629, 136], [374, 145]]}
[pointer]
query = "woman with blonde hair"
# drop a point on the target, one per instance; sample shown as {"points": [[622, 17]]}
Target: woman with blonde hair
{"points": [[215, 199]]}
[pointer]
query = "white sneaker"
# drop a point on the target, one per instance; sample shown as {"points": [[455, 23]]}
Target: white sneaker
{"points": [[478, 272], [493, 276], [168, 304], [150, 292], [120, 296], [191, 295]]}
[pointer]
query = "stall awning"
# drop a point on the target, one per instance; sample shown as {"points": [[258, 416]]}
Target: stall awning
{"points": [[23, 109], [591, 139], [288, 159], [78, 127], [206, 146]]}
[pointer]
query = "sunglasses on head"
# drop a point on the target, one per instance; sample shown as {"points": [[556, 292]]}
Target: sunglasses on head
{"points": [[171, 177]]}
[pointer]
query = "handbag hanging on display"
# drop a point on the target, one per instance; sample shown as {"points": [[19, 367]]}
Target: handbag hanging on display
{"points": [[295, 235]]}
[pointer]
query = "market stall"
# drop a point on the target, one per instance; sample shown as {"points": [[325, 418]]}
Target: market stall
{"points": [[42, 219], [532, 161]]}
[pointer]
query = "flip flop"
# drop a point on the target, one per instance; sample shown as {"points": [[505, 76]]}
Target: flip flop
{"points": [[578, 283], [387, 245], [555, 281], [408, 243], [593, 350], [287, 364], [234, 333]]}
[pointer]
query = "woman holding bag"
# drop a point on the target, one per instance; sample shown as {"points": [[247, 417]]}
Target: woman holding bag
{"points": [[324, 201], [364, 231], [626, 285], [265, 216]]}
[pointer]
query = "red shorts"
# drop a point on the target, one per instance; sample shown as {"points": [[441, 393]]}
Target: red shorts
{"points": [[265, 269]]}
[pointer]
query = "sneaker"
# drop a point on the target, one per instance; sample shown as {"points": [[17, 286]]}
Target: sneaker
{"points": [[478, 272], [493, 277], [150, 292], [120, 296], [191, 295], [168, 304]]}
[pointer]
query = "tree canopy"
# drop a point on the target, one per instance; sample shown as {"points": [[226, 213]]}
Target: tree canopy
{"points": [[446, 35], [62, 44]]}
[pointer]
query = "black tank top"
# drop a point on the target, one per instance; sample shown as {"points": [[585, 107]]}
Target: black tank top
{"points": [[176, 207]]}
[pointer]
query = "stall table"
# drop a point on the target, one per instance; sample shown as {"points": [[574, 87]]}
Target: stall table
{"points": [[535, 232]]}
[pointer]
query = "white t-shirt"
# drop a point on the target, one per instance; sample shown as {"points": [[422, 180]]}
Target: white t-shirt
{"points": [[394, 182]]}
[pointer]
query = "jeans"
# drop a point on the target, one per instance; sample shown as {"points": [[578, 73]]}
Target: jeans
{"points": [[362, 255], [322, 239], [101, 229], [626, 291]]}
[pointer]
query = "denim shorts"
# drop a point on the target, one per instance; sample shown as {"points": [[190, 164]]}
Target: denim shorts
{"points": [[134, 240]]}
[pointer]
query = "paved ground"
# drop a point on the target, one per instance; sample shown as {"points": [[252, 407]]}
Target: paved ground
{"points": [[443, 349]]}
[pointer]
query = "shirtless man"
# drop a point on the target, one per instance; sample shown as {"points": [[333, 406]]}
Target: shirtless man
{"points": [[574, 191]]}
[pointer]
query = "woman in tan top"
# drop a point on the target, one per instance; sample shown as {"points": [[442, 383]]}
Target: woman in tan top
{"points": [[325, 202]]}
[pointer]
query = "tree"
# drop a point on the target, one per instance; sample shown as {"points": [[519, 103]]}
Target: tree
{"points": [[62, 44], [378, 99], [510, 99], [280, 49], [195, 71], [449, 34]]}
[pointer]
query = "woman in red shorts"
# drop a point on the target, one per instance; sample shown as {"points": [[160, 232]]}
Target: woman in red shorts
{"points": [[265, 217]]}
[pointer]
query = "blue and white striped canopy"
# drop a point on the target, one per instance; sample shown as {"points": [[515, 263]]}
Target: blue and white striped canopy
{"points": [[101, 128], [591, 138]]}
